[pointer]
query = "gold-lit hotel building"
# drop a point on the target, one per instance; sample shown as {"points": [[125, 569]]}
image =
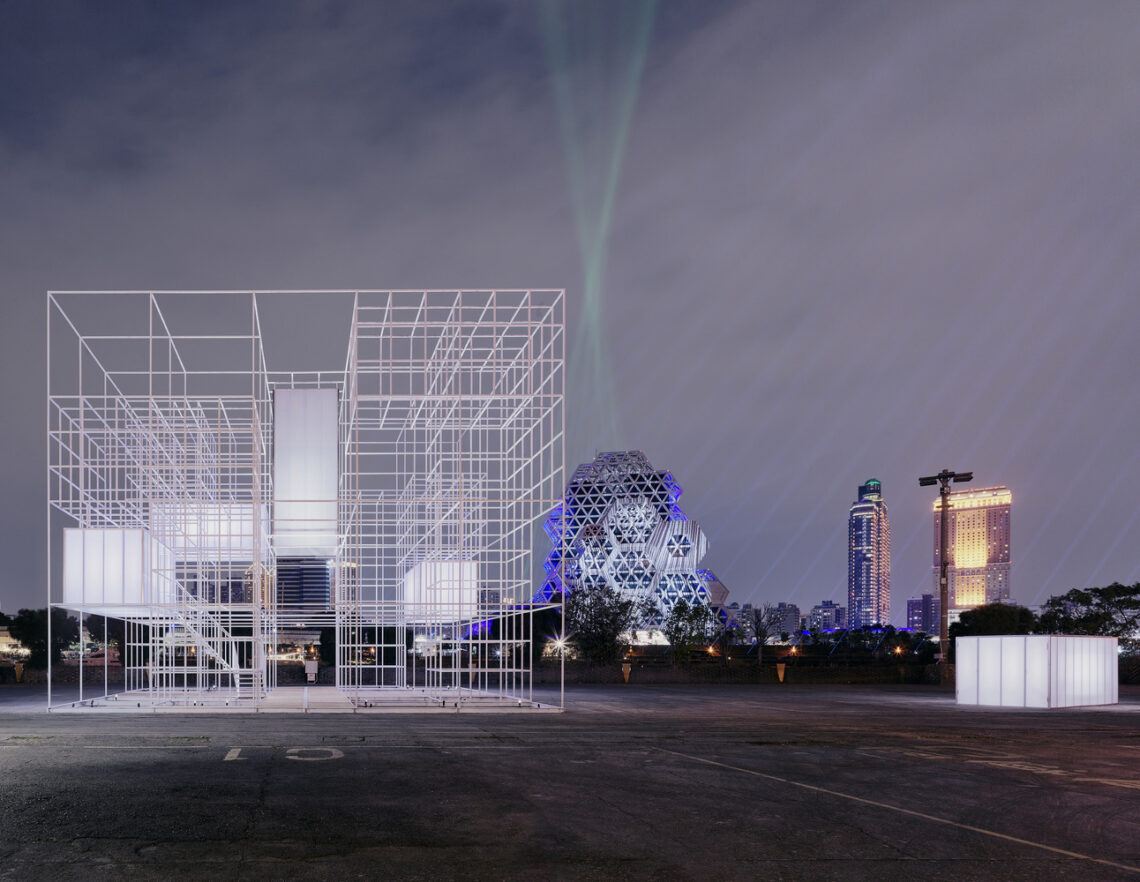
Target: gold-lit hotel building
{"points": [[979, 546]]}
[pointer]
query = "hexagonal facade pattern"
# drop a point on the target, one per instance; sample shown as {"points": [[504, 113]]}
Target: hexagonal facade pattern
{"points": [[619, 523]]}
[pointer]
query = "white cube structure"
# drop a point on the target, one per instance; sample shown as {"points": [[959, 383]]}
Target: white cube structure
{"points": [[1038, 670], [438, 591], [113, 570]]}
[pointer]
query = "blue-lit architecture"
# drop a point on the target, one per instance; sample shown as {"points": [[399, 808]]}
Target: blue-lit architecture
{"points": [[619, 524], [868, 559]]}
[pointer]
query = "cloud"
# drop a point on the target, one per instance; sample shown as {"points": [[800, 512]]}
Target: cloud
{"points": [[848, 240]]}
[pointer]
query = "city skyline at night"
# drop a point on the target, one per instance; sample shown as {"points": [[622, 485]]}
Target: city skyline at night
{"points": [[801, 243]]}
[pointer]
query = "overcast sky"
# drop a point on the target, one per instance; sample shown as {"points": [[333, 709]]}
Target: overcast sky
{"points": [[846, 240]]}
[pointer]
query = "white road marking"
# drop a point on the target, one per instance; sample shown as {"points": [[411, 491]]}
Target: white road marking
{"points": [[904, 811], [333, 753], [140, 746]]}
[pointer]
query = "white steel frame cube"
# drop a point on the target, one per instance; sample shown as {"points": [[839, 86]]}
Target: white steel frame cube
{"points": [[183, 470]]}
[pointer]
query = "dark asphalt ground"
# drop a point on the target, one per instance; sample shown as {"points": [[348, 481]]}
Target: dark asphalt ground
{"points": [[742, 782]]}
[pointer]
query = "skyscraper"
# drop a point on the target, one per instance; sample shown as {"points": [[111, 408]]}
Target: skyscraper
{"points": [[868, 558], [978, 546], [922, 613], [826, 616], [789, 617]]}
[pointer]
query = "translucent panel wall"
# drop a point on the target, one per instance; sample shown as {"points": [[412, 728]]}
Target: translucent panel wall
{"points": [[305, 461], [1045, 670], [115, 571]]}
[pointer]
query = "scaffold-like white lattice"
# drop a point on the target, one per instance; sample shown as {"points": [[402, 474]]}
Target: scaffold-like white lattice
{"points": [[209, 506]]}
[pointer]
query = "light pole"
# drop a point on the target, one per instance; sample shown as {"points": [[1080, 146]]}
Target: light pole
{"points": [[943, 479]]}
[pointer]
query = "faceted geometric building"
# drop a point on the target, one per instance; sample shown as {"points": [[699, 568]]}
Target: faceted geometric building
{"points": [[868, 559], [979, 562], [619, 524]]}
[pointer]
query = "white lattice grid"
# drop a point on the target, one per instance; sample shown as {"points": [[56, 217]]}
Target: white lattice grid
{"points": [[453, 446], [156, 421], [451, 425]]}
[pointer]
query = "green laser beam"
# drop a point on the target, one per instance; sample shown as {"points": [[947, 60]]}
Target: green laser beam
{"points": [[596, 52]]}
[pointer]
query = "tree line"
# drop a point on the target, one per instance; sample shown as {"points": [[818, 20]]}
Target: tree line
{"points": [[600, 622]]}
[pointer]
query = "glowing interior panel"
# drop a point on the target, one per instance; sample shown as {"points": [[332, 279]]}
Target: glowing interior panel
{"points": [[442, 591], [114, 568], [1036, 670], [305, 472]]}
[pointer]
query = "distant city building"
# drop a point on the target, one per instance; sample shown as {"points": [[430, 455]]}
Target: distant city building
{"points": [[745, 625], [620, 524], [303, 582], [922, 613], [978, 550], [790, 617], [869, 558], [827, 615]]}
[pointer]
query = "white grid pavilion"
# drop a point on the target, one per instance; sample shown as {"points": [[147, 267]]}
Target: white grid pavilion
{"points": [[182, 468]]}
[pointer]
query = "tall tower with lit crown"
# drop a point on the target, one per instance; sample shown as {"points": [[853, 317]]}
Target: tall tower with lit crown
{"points": [[868, 558], [978, 546]]}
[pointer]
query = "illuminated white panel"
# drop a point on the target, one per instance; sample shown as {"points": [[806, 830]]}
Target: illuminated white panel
{"points": [[73, 566], [1037, 671], [209, 531], [305, 472], [122, 571], [441, 590], [989, 671], [115, 569], [1013, 671], [1111, 664], [966, 669], [1083, 671]]}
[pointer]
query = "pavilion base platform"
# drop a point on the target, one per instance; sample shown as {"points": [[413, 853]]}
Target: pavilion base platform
{"points": [[311, 700]]}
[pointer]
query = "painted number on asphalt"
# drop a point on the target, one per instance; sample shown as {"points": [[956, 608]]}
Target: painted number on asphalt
{"points": [[293, 753]]}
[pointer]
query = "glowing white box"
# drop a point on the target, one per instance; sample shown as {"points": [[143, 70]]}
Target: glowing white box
{"points": [[209, 531], [441, 590], [1038, 670], [115, 569], [305, 472]]}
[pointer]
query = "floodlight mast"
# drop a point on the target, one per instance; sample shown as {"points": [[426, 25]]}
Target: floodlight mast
{"points": [[943, 479]]}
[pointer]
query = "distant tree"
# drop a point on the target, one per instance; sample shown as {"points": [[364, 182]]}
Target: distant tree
{"points": [[1113, 611], [688, 627], [764, 621], [991, 619], [547, 625], [30, 627], [108, 630], [730, 633], [5, 621], [596, 619]]}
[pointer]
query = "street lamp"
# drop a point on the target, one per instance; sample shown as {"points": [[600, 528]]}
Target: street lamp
{"points": [[943, 479]]}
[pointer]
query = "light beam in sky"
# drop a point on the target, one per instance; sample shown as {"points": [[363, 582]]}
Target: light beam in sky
{"points": [[596, 53]]}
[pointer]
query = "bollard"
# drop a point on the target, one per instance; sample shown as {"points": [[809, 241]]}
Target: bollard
{"points": [[780, 671], [625, 669]]}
